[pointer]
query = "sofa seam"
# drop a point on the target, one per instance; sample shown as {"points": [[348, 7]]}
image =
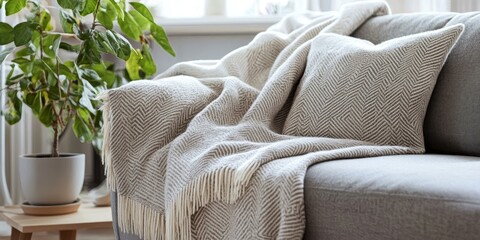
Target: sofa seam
{"points": [[397, 195]]}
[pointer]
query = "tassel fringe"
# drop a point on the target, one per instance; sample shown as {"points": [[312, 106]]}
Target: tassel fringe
{"points": [[106, 151], [139, 219], [224, 184]]}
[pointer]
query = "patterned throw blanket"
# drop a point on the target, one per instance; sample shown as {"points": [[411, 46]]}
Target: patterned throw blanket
{"points": [[199, 153]]}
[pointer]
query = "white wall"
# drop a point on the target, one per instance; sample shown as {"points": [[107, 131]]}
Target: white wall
{"points": [[199, 47]]}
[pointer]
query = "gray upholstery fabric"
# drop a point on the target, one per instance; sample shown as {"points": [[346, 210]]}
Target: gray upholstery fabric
{"points": [[453, 115], [119, 235], [394, 197], [408, 197]]}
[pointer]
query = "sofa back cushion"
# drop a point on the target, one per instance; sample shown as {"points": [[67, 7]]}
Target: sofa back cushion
{"points": [[452, 122], [354, 89]]}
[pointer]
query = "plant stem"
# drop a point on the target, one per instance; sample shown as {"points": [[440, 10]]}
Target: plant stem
{"points": [[57, 119], [62, 105], [55, 152], [41, 44], [95, 14], [67, 35]]}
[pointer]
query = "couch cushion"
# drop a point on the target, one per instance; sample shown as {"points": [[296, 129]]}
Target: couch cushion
{"points": [[354, 89], [453, 115], [394, 197]]}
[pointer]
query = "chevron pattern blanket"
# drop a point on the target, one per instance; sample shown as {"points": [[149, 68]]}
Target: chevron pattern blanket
{"points": [[199, 153]]}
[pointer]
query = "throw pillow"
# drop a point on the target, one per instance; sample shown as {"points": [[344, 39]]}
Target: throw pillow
{"points": [[354, 89]]}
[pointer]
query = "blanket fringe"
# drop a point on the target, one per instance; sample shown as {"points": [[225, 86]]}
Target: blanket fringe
{"points": [[106, 151], [139, 219], [224, 184]]}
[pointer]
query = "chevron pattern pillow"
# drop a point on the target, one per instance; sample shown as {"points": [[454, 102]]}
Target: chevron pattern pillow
{"points": [[354, 89]]}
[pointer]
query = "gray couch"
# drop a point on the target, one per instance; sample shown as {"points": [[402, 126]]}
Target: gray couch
{"points": [[430, 196]]}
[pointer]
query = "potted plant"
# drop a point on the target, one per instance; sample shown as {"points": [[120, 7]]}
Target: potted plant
{"points": [[58, 71]]}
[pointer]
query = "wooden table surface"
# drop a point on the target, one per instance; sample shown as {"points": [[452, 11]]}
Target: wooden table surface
{"points": [[88, 216]]}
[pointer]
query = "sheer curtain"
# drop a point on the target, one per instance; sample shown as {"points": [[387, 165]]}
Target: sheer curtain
{"points": [[405, 6], [253, 8], [27, 136]]}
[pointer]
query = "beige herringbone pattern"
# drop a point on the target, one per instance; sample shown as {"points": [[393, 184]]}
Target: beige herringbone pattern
{"points": [[203, 156], [353, 89]]}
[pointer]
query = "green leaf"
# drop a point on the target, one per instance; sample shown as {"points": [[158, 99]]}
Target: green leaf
{"points": [[130, 27], [142, 9], [77, 5], [91, 76], [26, 51], [85, 100], [23, 33], [124, 47], [82, 33], [81, 130], [12, 80], [70, 64], [67, 72], [6, 33], [36, 38], [106, 75], [28, 98], [69, 47], [21, 60], [51, 80], [112, 40], [67, 21], [26, 66], [37, 103], [46, 115], [120, 10], [54, 94], [50, 74], [111, 10], [44, 21], [51, 43], [105, 20], [84, 114], [98, 119], [14, 6], [4, 54], [141, 20], [13, 112], [89, 7], [91, 53], [161, 37], [122, 5], [103, 40], [147, 63], [133, 66]]}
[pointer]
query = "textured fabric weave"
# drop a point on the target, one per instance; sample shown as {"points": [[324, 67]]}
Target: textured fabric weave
{"points": [[452, 120], [203, 156], [415, 197], [379, 93]]}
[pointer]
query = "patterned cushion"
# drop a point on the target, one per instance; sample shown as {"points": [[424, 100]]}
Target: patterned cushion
{"points": [[354, 89]]}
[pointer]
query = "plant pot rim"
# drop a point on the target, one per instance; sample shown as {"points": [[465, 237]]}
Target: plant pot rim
{"points": [[48, 155]]}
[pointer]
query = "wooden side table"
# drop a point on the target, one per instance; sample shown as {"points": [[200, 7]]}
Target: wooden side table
{"points": [[88, 216]]}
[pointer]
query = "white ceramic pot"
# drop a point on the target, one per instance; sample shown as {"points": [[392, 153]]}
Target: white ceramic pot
{"points": [[51, 181]]}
